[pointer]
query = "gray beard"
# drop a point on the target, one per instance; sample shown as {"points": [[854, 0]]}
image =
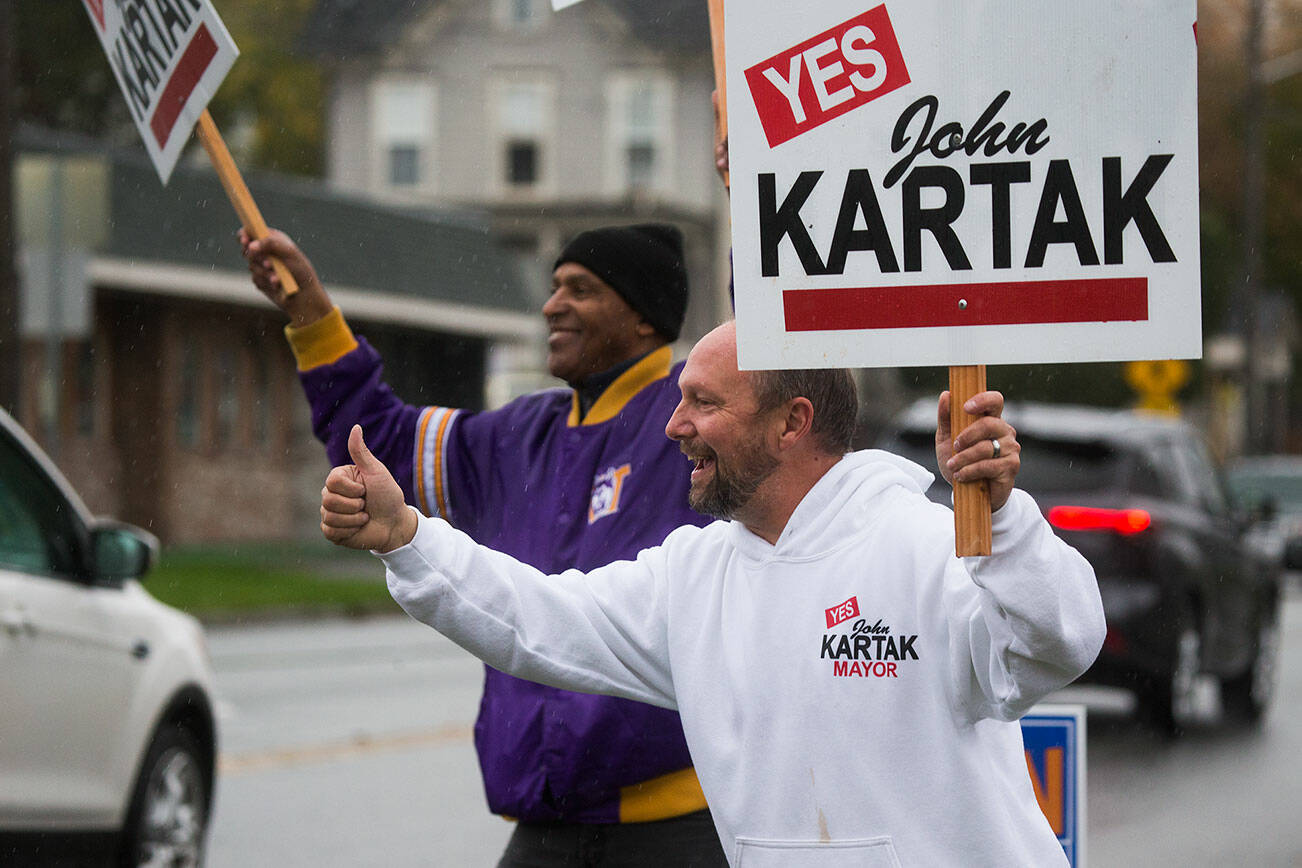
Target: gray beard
{"points": [[729, 491]]}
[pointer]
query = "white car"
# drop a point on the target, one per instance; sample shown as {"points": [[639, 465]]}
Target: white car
{"points": [[107, 733]]}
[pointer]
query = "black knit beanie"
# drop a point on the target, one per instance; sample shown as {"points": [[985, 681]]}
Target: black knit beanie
{"points": [[643, 263]]}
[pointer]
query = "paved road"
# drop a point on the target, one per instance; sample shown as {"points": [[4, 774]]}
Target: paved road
{"points": [[1219, 796], [349, 744]]}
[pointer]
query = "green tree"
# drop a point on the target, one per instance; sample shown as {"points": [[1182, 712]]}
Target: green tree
{"points": [[1222, 83], [276, 90], [63, 80], [272, 97]]}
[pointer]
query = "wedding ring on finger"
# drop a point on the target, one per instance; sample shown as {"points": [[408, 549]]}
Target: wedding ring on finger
{"points": [[998, 449]]}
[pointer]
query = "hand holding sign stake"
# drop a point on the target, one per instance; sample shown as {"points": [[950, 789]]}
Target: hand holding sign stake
{"points": [[971, 499]]}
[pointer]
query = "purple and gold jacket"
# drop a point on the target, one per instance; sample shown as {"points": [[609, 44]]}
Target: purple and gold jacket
{"points": [[535, 482]]}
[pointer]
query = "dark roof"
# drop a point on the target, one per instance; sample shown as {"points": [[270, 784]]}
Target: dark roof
{"points": [[343, 27], [682, 25], [356, 26], [352, 242], [429, 253]]}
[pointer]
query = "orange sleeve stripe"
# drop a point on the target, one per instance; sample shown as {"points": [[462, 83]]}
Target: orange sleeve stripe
{"points": [[440, 495], [422, 502]]}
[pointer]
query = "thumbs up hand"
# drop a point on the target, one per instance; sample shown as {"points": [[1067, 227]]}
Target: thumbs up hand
{"points": [[362, 505]]}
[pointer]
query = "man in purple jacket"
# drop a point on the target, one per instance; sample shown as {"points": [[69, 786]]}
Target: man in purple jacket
{"points": [[564, 478]]}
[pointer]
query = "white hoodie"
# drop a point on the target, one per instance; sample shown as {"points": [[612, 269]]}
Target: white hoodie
{"points": [[848, 694]]}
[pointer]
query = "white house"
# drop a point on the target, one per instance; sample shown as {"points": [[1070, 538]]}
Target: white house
{"points": [[550, 122]]}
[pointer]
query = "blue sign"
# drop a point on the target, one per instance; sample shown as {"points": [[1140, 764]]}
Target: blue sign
{"points": [[1054, 739]]}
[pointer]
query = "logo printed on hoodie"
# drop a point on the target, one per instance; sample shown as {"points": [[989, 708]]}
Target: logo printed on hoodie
{"points": [[865, 650], [842, 612]]}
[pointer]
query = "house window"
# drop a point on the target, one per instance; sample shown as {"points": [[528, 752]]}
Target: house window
{"points": [[187, 412], [640, 117], [86, 389], [228, 406], [404, 165], [521, 162], [522, 11], [260, 412], [404, 131], [520, 14], [523, 122], [640, 162]]}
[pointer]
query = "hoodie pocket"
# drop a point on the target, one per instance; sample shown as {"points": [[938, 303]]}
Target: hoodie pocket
{"points": [[860, 853]]}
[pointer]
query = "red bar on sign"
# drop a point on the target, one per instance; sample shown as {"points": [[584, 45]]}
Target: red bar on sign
{"points": [[194, 62], [96, 8], [842, 612], [827, 75], [1123, 299]]}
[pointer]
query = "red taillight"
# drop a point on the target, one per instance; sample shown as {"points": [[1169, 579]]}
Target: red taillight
{"points": [[1115, 643], [1123, 521]]}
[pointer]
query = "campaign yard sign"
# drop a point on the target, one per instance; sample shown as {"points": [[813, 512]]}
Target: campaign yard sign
{"points": [[169, 57], [935, 182], [1053, 738]]}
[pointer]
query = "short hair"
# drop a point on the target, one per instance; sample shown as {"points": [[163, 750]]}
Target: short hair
{"points": [[830, 390]]}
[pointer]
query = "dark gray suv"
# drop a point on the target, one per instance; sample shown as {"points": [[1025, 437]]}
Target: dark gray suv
{"points": [[1139, 497]]}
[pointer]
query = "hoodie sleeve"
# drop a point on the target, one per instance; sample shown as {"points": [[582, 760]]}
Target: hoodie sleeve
{"points": [[1025, 621], [601, 632]]}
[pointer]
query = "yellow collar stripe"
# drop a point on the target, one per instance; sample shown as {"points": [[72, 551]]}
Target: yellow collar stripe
{"points": [[654, 366]]}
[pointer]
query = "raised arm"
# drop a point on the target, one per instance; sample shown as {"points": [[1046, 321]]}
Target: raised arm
{"points": [[341, 375], [599, 633], [1027, 619], [1024, 621]]}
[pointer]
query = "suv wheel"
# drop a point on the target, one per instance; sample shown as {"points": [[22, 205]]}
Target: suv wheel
{"points": [[169, 807], [1245, 697], [1168, 703]]}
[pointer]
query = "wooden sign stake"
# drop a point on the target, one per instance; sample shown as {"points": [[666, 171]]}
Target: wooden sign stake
{"points": [[720, 70], [971, 499], [238, 193]]}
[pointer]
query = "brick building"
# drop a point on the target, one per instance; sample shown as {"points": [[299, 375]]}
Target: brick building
{"points": [[159, 379]]}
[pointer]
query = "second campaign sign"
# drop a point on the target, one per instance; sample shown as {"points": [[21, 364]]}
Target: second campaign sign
{"points": [[935, 182], [169, 56]]}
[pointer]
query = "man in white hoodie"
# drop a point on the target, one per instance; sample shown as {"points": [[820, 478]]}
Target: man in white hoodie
{"points": [[848, 688]]}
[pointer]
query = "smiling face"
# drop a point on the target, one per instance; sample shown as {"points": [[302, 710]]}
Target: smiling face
{"points": [[719, 426], [590, 327]]}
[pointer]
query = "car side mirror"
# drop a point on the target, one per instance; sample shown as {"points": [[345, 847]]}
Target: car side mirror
{"points": [[1293, 553], [121, 551]]}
